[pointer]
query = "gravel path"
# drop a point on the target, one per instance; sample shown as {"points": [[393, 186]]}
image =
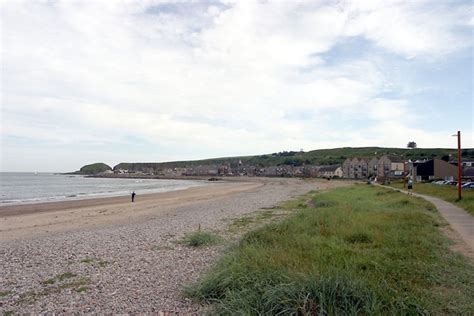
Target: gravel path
{"points": [[130, 268], [460, 220]]}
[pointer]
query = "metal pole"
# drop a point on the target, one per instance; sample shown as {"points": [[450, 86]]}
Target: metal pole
{"points": [[459, 167]]}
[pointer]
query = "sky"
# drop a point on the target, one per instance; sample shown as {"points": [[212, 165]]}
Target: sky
{"points": [[149, 81]]}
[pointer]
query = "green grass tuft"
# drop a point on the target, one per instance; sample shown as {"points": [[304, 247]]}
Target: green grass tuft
{"points": [[200, 239], [241, 222], [59, 278], [5, 293], [78, 285], [358, 238], [102, 263], [81, 289], [265, 215], [317, 203], [49, 281], [64, 276]]}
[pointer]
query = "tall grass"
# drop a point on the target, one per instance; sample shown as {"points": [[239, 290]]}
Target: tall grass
{"points": [[446, 192], [358, 250], [200, 239]]}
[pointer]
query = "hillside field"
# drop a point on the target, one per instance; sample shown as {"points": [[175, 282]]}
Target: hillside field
{"points": [[314, 157]]}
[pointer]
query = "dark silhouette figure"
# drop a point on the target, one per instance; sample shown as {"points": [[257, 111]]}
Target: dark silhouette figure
{"points": [[410, 186], [133, 196]]}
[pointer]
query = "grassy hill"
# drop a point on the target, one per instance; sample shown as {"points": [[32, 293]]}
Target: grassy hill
{"points": [[316, 157], [94, 168]]}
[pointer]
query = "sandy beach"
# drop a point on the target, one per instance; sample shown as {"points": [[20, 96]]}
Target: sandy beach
{"points": [[32, 220], [111, 255]]}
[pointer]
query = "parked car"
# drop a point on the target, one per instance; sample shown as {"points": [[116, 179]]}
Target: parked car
{"points": [[468, 185], [450, 182]]}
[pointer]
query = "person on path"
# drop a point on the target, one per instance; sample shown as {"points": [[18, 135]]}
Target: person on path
{"points": [[410, 186], [133, 196]]}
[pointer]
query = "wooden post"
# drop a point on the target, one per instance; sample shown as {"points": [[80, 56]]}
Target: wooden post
{"points": [[459, 167]]}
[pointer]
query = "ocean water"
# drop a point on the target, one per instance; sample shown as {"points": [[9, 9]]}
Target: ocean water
{"points": [[21, 188]]}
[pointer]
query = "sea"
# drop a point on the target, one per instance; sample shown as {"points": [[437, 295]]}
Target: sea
{"points": [[26, 188]]}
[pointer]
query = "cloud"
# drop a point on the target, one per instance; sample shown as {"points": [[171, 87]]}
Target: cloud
{"points": [[205, 79], [423, 29]]}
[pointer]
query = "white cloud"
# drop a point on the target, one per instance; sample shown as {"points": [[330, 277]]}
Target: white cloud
{"points": [[226, 78], [412, 28]]}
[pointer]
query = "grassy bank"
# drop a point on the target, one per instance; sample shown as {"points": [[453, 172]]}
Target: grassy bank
{"points": [[357, 250], [446, 192]]}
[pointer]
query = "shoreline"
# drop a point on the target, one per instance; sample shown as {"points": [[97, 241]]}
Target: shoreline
{"points": [[89, 201], [92, 196], [31, 220], [112, 193], [39, 207], [204, 180]]}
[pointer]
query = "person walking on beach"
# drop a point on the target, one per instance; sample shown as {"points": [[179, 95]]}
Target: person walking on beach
{"points": [[133, 196], [410, 186]]}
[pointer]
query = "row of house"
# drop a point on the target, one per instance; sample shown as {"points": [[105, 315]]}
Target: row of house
{"points": [[392, 167], [383, 167], [256, 171], [307, 171]]}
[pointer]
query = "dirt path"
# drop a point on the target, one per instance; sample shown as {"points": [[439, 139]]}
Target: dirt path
{"points": [[461, 222]]}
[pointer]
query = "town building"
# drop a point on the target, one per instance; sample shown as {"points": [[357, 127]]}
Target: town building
{"points": [[390, 167], [372, 166], [202, 170], [346, 166], [467, 163], [355, 168], [334, 171], [468, 173], [435, 169]]}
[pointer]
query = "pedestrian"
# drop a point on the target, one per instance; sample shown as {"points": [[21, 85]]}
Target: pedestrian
{"points": [[133, 196], [410, 186]]}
